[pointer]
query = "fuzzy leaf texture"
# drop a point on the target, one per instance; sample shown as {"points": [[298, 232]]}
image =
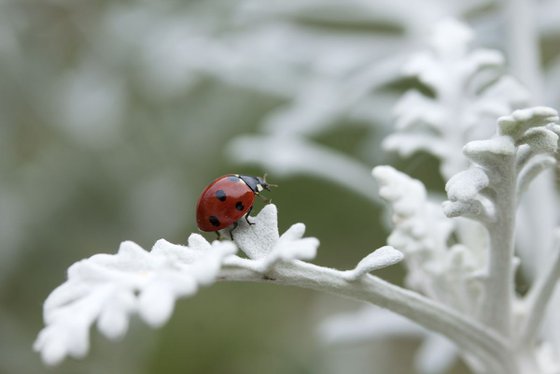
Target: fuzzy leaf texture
{"points": [[422, 232], [378, 259], [262, 243], [108, 289], [526, 139], [489, 192]]}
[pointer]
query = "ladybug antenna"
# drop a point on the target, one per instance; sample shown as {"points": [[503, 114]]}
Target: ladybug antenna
{"points": [[266, 183]]}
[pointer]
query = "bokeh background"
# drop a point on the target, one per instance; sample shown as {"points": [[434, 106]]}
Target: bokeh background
{"points": [[115, 115]]}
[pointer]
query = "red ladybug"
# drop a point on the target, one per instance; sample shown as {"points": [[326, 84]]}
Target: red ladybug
{"points": [[226, 200]]}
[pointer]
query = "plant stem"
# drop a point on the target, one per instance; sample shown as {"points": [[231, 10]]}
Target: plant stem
{"points": [[488, 347], [497, 303]]}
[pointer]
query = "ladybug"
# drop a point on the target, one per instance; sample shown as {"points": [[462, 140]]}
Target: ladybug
{"points": [[226, 200]]}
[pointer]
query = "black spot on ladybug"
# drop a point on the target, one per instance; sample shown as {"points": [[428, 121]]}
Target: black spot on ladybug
{"points": [[221, 195], [239, 205], [214, 221], [233, 179]]}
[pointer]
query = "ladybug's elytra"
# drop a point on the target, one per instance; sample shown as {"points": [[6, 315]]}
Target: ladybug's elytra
{"points": [[226, 200]]}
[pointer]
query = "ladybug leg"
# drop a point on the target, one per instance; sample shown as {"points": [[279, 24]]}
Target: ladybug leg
{"points": [[235, 224], [218, 234], [265, 199], [247, 216]]}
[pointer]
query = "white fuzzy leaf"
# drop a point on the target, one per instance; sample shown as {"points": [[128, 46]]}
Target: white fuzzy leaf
{"points": [[540, 139], [521, 120], [113, 319], [414, 108], [422, 231], [408, 143], [258, 239], [403, 192], [156, 303], [491, 152], [464, 191], [262, 243], [501, 97], [110, 288], [378, 259], [467, 184]]}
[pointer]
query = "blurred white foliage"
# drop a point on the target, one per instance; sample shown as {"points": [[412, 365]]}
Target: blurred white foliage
{"points": [[445, 273], [326, 99], [548, 18], [421, 230], [470, 92], [337, 90]]}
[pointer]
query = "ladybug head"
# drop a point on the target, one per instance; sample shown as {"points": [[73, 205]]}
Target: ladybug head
{"points": [[262, 185], [257, 184]]}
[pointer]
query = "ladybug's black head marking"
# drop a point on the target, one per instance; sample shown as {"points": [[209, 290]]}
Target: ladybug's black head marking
{"points": [[257, 184], [263, 184]]}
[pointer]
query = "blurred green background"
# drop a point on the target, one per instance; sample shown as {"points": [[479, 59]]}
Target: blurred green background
{"points": [[106, 136]]}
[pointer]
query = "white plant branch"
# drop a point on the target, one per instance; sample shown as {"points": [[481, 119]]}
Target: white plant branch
{"points": [[496, 177], [110, 288], [260, 241], [498, 301], [467, 333]]}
